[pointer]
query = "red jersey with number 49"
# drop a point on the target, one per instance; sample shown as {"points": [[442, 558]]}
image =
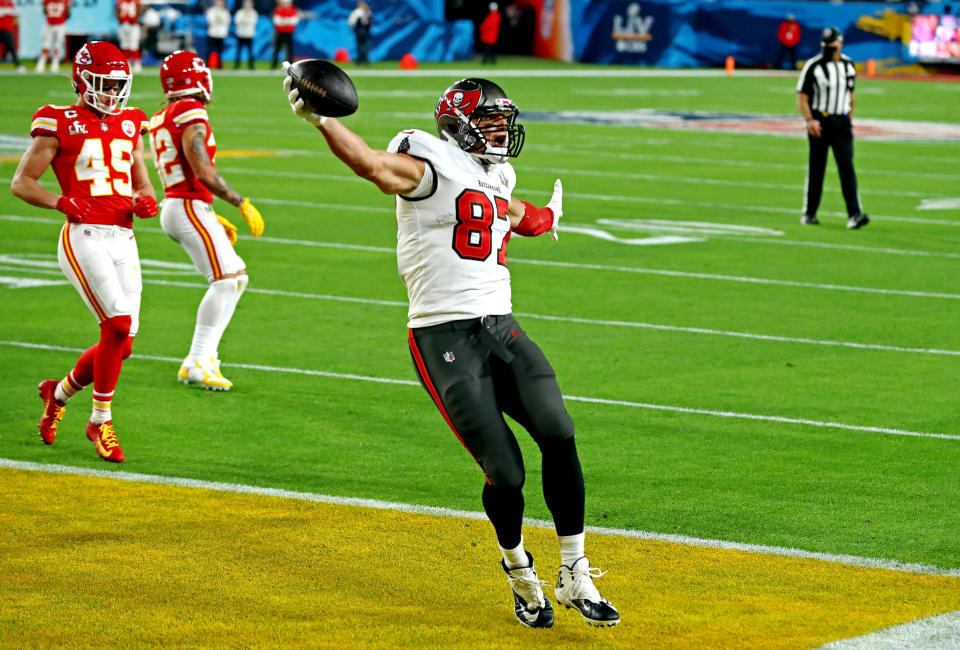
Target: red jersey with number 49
{"points": [[56, 11], [452, 233], [128, 11], [95, 156], [166, 137]]}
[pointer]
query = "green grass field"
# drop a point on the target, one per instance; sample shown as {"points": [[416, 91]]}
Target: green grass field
{"points": [[766, 383]]}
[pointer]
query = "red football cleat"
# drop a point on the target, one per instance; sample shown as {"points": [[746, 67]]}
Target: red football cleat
{"points": [[105, 440], [52, 411]]}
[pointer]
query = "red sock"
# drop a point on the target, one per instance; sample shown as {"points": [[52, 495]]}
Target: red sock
{"points": [[107, 361], [83, 371]]}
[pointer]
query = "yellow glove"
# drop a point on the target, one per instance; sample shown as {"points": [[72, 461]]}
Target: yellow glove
{"points": [[228, 228], [252, 216]]}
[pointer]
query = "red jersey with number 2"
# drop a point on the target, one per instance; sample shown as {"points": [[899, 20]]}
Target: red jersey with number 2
{"points": [[56, 11], [166, 137], [95, 156]]}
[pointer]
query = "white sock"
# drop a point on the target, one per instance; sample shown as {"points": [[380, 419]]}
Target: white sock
{"points": [[219, 301], [571, 548], [101, 407], [515, 558]]}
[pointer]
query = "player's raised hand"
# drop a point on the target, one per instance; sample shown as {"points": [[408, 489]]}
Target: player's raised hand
{"points": [[556, 204], [296, 104], [252, 216], [145, 207], [228, 228], [76, 209]]}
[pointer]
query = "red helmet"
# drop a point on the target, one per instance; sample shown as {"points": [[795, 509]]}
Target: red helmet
{"points": [[184, 73], [99, 65]]}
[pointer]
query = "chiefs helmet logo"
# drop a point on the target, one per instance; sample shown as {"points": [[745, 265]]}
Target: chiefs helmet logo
{"points": [[83, 57], [198, 64]]}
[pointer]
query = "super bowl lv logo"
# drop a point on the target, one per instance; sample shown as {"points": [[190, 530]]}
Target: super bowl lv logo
{"points": [[632, 31]]}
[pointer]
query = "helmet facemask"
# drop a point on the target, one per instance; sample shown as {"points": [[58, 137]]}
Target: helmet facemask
{"points": [[96, 96], [489, 131]]}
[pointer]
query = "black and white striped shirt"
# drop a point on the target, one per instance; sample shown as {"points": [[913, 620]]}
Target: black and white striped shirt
{"points": [[828, 84]]}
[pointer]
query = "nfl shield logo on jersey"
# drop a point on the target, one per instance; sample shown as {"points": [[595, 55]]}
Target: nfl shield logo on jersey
{"points": [[448, 357]]}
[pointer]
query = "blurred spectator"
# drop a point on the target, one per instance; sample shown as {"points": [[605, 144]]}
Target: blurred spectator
{"points": [[245, 21], [361, 21], [151, 23], [789, 35], [490, 34], [218, 26], [128, 32], [8, 25], [54, 33], [285, 19]]}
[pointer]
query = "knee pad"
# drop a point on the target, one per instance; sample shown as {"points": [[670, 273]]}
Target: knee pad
{"points": [[505, 473], [553, 424], [117, 327], [226, 285]]}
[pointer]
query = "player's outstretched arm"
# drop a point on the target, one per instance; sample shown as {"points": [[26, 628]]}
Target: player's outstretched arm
{"points": [[528, 220], [26, 184], [392, 173], [194, 140]]}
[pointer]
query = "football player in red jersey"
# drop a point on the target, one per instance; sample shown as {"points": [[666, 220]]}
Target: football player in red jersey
{"points": [[96, 152], [53, 34], [184, 150], [456, 211], [128, 32]]}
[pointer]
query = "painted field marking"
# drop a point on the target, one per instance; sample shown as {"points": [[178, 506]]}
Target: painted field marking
{"points": [[934, 632], [49, 267], [685, 540], [574, 398], [622, 269], [707, 205]]}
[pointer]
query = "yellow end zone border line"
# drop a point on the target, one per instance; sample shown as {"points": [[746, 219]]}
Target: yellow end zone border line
{"points": [[238, 488], [674, 591]]}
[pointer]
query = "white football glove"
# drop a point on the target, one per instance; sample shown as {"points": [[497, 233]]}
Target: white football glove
{"points": [[296, 104], [556, 204]]}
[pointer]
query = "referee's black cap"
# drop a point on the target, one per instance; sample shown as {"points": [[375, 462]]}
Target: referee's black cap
{"points": [[831, 35]]}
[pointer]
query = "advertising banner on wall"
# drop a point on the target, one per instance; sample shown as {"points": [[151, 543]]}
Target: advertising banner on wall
{"points": [[684, 33]]}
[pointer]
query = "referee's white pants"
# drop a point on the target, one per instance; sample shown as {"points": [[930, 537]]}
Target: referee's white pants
{"points": [[103, 264]]}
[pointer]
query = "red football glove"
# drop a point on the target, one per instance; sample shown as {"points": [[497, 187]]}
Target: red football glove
{"points": [[76, 209], [145, 207]]}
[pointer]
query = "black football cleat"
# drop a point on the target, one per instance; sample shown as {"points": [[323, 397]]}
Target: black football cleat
{"points": [[575, 590], [529, 604], [858, 221]]}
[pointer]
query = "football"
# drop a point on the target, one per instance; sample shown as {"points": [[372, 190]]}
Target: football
{"points": [[324, 88]]}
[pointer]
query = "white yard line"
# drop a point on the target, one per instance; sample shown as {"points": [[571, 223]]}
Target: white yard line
{"points": [[574, 398], [154, 479], [615, 268], [932, 633]]}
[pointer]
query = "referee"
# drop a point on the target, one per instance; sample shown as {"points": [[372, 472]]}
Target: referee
{"points": [[825, 98]]}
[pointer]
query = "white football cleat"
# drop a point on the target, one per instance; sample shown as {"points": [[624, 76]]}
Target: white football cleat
{"points": [[205, 375], [529, 604], [575, 589]]}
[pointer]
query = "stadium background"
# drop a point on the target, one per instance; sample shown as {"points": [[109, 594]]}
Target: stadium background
{"points": [[766, 412]]}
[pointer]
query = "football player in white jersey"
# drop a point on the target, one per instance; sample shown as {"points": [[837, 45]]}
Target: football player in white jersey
{"points": [[455, 214]]}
